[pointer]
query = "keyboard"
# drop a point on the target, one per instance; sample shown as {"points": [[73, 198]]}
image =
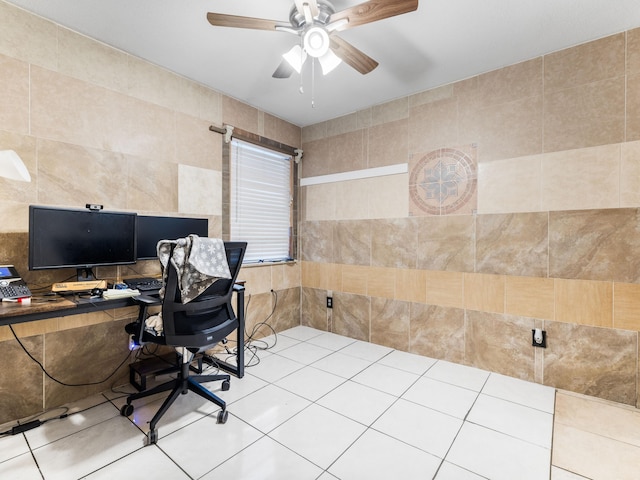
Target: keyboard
{"points": [[144, 284]]}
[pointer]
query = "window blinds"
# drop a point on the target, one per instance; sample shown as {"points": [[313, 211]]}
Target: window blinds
{"points": [[260, 210]]}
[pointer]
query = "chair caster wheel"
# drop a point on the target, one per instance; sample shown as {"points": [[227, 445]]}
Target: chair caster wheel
{"points": [[153, 437], [222, 416], [226, 385], [126, 410]]}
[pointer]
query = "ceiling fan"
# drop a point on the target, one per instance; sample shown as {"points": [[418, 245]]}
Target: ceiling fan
{"points": [[315, 22]]}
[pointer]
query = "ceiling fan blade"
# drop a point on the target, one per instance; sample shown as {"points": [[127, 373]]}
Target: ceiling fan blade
{"points": [[223, 20], [352, 56], [372, 11], [284, 70]]}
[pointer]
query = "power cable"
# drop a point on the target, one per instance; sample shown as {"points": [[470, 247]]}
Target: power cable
{"points": [[60, 381]]}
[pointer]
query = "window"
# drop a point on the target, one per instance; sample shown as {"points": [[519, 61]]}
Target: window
{"points": [[261, 201]]}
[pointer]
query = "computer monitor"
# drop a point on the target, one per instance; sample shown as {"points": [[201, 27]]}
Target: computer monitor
{"points": [[81, 239], [152, 229]]}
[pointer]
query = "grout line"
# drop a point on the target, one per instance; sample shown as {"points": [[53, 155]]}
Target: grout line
{"points": [[369, 426]]}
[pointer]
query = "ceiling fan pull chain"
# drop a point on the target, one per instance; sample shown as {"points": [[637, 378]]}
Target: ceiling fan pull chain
{"points": [[313, 82], [302, 59]]}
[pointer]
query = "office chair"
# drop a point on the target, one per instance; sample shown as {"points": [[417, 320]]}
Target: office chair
{"points": [[191, 328]]}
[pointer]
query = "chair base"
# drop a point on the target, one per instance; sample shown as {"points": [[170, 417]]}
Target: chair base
{"points": [[180, 386]]}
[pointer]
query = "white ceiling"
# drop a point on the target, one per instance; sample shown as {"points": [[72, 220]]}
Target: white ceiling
{"points": [[442, 42]]}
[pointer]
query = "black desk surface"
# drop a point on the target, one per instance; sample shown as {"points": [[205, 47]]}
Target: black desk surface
{"points": [[50, 306]]}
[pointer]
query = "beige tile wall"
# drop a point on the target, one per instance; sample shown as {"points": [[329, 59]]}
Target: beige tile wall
{"points": [[554, 134], [486, 320], [554, 242], [95, 124]]}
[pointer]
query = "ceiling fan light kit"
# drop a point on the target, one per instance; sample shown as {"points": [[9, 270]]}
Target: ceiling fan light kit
{"points": [[295, 57], [329, 61], [316, 41], [315, 22]]}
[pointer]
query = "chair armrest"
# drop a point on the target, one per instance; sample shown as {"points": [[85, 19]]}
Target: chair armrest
{"points": [[144, 303], [147, 300]]}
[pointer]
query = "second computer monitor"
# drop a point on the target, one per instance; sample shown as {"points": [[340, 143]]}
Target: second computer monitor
{"points": [[152, 229]]}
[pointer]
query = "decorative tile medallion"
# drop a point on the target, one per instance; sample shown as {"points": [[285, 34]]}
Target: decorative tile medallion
{"points": [[444, 182]]}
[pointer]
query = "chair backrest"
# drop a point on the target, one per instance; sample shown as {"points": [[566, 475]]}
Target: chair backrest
{"points": [[207, 319]]}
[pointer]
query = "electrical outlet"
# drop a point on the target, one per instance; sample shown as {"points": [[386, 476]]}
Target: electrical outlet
{"points": [[132, 343], [539, 338], [329, 302]]}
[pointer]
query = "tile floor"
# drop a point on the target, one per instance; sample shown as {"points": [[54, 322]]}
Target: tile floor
{"points": [[322, 406]]}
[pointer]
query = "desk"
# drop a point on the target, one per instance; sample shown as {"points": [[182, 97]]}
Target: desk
{"points": [[44, 307]]}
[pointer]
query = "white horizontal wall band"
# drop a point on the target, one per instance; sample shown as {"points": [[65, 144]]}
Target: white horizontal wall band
{"points": [[356, 174]]}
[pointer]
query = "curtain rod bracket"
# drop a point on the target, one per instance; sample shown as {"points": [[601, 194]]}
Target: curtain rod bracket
{"points": [[298, 152], [228, 133]]}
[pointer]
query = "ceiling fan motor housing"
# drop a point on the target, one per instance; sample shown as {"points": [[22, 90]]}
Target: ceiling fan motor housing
{"points": [[325, 10]]}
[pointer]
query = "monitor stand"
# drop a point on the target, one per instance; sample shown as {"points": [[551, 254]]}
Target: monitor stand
{"points": [[85, 275]]}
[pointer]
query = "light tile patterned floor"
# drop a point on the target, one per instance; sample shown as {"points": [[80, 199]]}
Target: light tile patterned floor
{"points": [[321, 406]]}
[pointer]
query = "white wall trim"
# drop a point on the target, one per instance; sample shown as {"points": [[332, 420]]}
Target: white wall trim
{"points": [[356, 174]]}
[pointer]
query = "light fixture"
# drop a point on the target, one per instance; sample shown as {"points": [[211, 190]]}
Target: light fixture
{"points": [[316, 44], [316, 41], [295, 57], [329, 61], [12, 166]]}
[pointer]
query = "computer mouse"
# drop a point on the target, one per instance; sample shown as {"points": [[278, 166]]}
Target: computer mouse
{"points": [[96, 292]]}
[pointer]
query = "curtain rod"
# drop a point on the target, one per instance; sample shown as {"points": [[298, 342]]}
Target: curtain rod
{"points": [[256, 139]]}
